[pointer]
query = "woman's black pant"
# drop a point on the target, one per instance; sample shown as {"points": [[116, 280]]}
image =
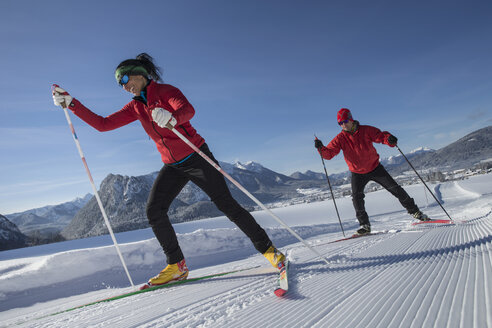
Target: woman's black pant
{"points": [[172, 179], [381, 176]]}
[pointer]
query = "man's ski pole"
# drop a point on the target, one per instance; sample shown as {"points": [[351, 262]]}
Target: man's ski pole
{"points": [[423, 182], [331, 190], [96, 193], [231, 179]]}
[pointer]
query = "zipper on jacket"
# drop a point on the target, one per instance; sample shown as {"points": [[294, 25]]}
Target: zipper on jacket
{"points": [[185, 131], [162, 139]]}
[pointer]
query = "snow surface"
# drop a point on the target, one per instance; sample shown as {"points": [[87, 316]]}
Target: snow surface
{"points": [[409, 276]]}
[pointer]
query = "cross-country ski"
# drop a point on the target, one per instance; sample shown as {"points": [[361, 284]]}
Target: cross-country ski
{"points": [[283, 279], [432, 221]]}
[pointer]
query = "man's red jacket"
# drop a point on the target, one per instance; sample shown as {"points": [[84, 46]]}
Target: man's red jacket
{"points": [[358, 150], [165, 96]]}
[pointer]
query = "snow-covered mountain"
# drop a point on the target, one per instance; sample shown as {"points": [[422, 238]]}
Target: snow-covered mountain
{"points": [[10, 235], [398, 159], [48, 219], [308, 175], [125, 198], [463, 153]]}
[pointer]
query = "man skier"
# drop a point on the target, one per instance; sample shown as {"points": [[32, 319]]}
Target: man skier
{"points": [[356, 141]]}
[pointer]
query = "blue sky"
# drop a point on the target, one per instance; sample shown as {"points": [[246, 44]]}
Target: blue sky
{"points": [[263, 76]]}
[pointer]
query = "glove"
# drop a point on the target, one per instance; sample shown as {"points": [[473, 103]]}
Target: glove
{"points": [[392, 140], [61, 97], [318, 144], [163, 118]]}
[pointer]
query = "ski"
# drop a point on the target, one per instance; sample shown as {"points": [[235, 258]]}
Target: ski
{"points": [[152, 288], [433, 221], [358, 236], [283, 281]]}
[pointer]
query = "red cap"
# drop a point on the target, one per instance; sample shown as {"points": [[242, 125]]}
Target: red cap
{"points": [[344, 114]]}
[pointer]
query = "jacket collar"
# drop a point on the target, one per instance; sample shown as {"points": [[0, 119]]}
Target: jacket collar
{"points": [[354, 128], [143, 94]]}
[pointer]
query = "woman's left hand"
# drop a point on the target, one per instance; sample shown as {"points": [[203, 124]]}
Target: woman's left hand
{"points": [[163, 118]]}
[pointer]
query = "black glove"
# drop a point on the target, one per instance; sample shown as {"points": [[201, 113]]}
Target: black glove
{"points": [[392, 140], [318, 144]]}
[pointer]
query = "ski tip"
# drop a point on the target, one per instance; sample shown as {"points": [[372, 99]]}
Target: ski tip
{"points": [[280, 292], [145, 286]]}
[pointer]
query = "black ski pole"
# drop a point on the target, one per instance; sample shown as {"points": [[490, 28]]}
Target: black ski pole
{"points": [[331, 190], [423, 182]]}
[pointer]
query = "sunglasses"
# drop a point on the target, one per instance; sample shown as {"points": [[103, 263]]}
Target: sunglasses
{"points": [[124, 80], [343, 122]]}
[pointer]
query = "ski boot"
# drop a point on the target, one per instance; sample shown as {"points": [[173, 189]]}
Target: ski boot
{"points": [[364, 229], [420, 216], [275, 257], [173, 272]]}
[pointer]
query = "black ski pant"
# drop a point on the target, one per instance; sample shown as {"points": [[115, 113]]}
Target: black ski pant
{"points": [[381, 176], [172, 179]]}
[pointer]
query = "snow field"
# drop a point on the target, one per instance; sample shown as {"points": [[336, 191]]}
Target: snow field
{"points": [[409, 276]]}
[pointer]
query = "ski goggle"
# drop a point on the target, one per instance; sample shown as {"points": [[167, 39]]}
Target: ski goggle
{"points": [[343, 122], [124, 80], [122, 74]]}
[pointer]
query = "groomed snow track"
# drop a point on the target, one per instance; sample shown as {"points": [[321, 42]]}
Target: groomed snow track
{"points": [[424, 276]]}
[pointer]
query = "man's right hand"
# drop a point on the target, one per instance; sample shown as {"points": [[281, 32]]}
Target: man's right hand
{"points": [[392, 140], [318, 144], [61, 97]]}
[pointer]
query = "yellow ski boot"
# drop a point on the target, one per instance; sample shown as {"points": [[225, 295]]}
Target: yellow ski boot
{"points": [[275, 257], [173, 272]]}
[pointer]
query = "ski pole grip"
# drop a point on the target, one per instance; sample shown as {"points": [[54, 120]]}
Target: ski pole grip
{"points": [[56, 92]]}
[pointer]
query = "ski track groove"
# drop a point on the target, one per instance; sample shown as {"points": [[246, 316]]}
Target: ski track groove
{"points": [[443, 265], [364, 286], [215, 306], [346, 307], [307, 272], [179, 316], [362, 312], [347, 280]]}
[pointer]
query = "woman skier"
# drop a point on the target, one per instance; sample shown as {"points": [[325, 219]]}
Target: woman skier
{"points": [[160, 108]]}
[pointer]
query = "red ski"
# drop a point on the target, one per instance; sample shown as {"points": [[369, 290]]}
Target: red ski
{"points": [[434, 221]]}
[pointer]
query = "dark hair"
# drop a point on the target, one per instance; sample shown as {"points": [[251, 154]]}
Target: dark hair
{"points": [[147, 62]]}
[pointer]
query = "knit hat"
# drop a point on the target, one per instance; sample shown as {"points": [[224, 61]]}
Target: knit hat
{"points": [[344, 114]]}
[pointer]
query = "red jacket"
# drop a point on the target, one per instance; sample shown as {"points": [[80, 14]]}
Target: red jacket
{"points": [[358, 150], [165, 96]]}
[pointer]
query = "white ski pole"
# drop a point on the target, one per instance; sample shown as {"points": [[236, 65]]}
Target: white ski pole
{"points": [[231, 179], [96, 193]]}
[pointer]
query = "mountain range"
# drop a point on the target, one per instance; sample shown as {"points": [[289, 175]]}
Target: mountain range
{"points": [[48, 219], [10, 235], [124, 197]]}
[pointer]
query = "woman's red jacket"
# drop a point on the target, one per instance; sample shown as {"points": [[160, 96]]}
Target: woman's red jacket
{"points": [[165, 96]]}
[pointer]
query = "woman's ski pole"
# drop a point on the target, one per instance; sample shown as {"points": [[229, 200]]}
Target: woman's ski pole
{"points": [[424, 182], [331, 190], [101, 207], [231, 179]]}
